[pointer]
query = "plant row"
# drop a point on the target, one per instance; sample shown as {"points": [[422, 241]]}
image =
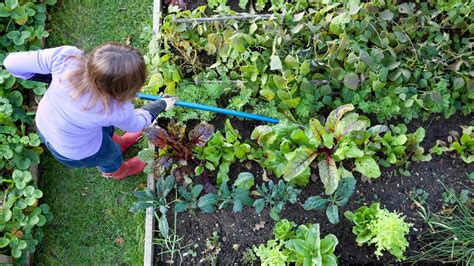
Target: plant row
{"points": [[391, 60], [22, 27]]}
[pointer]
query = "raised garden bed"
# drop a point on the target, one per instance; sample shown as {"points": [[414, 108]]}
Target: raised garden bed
{"points": [[415, 180]]}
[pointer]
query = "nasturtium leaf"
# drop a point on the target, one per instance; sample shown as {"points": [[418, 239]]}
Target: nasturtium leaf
{"points": [[329, 174], [201, 134], [351, 80], [275, 62], [368, 167], [302, 159]]}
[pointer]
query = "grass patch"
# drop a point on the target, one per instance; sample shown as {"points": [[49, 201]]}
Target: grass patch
{"points": [[88, 23], [92, 224]]}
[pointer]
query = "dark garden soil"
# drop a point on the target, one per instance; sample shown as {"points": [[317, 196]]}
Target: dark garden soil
{"points": [[239, 231]]}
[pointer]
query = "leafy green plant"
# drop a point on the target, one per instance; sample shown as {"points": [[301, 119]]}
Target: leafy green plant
{"points": [[221, 151], [338, 199], [275, 196], [419, 195], [309, 249], [464, 145], [381, 227], [158, 201], [238, 196], [175, 149], [271, 253], [283, 229], [189, 198], [249, 257], [368, 54]]}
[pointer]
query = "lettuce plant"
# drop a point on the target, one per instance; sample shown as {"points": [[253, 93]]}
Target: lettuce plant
{"points": [[309, 249], [385, 229], [302, 246], [464, 145], [283, 229], [175, 148]]}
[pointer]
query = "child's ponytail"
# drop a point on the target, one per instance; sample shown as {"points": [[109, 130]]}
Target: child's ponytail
{"points": [[111, 72]]}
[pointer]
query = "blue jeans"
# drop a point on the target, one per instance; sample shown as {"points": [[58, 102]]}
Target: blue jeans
{"points": [[108, 159]]}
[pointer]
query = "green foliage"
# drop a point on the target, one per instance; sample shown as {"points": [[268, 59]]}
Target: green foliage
{"points": [[332, 204], [238, 196], [271, 253], [207, 94], [419, 195], [463, 146], [313, 54], [284, 230], [385, 229], [249, 257], [158, 201], [289, 150], [302, 246], [275, 196], [189, 198], [309, 249], [450, 238], [22, 27], [223, 150]]}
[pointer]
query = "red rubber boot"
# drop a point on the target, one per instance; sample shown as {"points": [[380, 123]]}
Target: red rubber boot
{"points": [[127, 140], [128, 168]]}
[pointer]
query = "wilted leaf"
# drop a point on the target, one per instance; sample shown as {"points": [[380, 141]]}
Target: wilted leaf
{"points": [[336, 115], [162, 165], [119, 240], [259, 226]]}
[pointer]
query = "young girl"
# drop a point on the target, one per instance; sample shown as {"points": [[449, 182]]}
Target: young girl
{"points": [[88, 96]]}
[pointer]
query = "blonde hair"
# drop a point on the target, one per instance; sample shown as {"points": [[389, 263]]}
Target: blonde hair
{"points": [[112, 71]]}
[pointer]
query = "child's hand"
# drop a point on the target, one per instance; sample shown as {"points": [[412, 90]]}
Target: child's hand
{"points": [[170, 101]]}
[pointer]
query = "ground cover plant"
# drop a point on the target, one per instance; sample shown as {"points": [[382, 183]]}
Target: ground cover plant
{"points": [[362, 90], [87, 208], [22, 27]]}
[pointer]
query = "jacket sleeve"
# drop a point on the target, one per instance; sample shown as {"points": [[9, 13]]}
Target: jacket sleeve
{"points": [[25, 65], [132, 120]]}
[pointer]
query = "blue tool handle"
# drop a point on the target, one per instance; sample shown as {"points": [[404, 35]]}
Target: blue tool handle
{"points": [[213, 109]]}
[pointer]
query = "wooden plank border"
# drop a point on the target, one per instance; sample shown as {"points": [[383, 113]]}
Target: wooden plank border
{"points": [[150, 212]]}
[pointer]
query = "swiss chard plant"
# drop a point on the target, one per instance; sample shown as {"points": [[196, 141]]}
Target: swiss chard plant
{"points": [[387, 230], [276, 196], [463, 145], [332, 203], [289, 150], [175, 148]]}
